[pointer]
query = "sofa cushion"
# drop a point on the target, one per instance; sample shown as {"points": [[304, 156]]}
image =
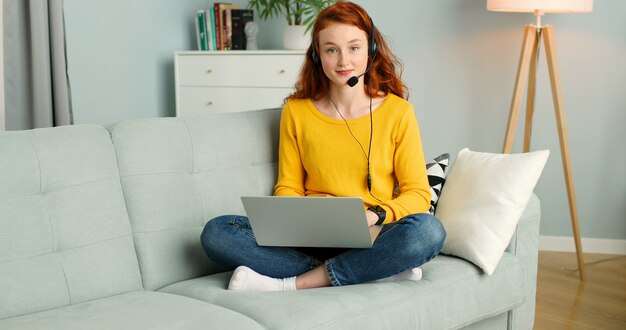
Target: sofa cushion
{"points": [[452, 293], [65, 236], [437, 170], [484, 197], [135, 310], [178, 173]]}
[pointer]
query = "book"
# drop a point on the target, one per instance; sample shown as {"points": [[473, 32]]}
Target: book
{"points": [[227, 41], [209, 29], [219, 8], [218, 23], [239, 18], [198, 42], [201, 21], [213, 34]]}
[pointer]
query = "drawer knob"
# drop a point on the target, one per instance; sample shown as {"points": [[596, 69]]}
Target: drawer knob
{"points": [[210, 103], [209, 71], [282, 71]]}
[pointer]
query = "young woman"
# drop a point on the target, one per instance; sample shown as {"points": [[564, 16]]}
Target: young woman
{"points": [[346, 131]]}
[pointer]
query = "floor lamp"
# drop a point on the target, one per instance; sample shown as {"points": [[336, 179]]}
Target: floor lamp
{"points": [[527, 70]]}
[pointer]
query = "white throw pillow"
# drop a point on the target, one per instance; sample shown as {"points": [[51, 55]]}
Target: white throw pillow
{"points": [[482, 201]]}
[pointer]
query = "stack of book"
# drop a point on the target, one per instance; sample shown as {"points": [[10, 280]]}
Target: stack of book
{"points": [[222, 27]]}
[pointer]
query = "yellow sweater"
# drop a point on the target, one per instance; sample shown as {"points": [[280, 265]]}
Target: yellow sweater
{"points": [[319, 157]]}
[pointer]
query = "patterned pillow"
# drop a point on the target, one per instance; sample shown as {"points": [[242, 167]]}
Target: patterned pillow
{"points": [[437, 170]]}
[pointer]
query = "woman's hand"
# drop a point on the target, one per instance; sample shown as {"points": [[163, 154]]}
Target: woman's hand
{"points": [[372, 217]]}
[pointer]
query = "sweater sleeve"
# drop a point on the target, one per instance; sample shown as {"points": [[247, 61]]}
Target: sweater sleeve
{"points": [[291, 173], [410, 170]]}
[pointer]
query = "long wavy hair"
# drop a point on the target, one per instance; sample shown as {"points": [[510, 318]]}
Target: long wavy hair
{"points": [[384, 74]]}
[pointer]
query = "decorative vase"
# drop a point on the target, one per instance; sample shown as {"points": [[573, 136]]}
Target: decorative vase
{"points": [[295, 37]]}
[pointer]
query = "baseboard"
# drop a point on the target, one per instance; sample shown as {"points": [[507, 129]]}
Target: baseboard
{"points": [[590, 245]]}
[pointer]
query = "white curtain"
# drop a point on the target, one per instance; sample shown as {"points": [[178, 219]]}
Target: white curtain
{"points": [[36, 87]]}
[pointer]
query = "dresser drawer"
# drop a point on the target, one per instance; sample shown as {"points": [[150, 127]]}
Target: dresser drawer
{"points": [[199, 100], [239, 70], [234, 81]]}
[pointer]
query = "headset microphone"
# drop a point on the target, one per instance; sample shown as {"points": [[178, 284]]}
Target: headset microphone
{"points": [[355, 79]]}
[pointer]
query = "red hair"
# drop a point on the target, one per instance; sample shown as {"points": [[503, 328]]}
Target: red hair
{"points": [[384, 73]]}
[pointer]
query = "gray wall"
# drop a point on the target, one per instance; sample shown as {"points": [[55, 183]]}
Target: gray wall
{"points": [[2, 125], [459, 62]]}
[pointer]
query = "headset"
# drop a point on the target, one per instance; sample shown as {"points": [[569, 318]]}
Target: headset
{"points": [[371, 51]]}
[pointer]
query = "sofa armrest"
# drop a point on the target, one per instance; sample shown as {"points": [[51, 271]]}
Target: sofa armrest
{"points": [[525, 245]]}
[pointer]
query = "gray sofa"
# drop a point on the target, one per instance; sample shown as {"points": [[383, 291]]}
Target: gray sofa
{"points": [[100, 229]]}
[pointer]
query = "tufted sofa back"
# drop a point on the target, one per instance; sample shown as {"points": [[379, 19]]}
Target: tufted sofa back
{"points": [[65, 236], [178, 173]]}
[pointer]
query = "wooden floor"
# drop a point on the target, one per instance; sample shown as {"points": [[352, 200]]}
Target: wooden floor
{"points": [[564, 302]]}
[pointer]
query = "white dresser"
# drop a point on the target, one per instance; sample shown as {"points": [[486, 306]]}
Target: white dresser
{"points": [[234, 81]]}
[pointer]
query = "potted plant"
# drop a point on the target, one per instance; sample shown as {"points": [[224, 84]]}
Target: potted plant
{"points": [[300, 15]]}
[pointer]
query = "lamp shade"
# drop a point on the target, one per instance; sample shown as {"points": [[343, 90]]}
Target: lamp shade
{"points": [[546, 6]]}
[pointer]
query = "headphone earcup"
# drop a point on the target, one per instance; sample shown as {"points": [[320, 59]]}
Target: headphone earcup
{"points": [[314, 58], [373, 46]]}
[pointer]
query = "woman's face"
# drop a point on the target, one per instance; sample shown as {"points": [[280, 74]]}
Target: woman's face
{"points": [[343, 52]]}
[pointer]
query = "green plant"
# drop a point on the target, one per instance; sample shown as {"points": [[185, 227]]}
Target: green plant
{"points": [[297, 12]]}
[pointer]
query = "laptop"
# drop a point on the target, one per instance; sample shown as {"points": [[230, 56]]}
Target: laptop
{"points": [[337, 222]]}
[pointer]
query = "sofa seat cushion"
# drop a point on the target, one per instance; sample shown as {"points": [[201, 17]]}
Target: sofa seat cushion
{"points": [[135, 310], [452, 293]]}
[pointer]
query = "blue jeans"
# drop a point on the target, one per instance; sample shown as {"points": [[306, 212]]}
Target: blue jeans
{"points": [[405, 244]]}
